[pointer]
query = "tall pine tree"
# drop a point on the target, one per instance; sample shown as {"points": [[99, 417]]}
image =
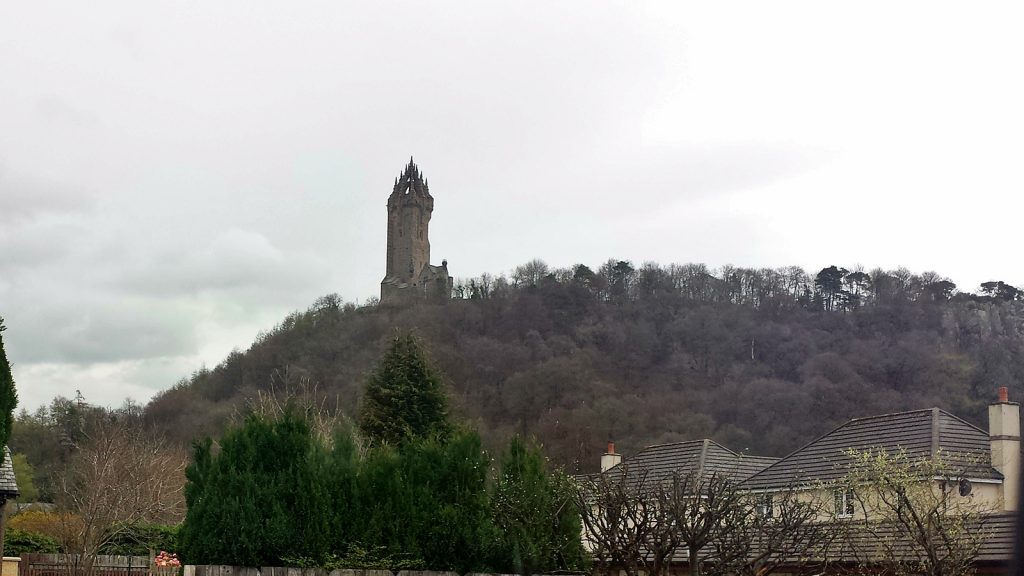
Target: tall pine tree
{"points": [[8, 400], [8, 395], [405, 397]]}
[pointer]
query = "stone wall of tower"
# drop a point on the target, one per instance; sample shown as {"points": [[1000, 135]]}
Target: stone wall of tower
{"points": [[408, 243]]}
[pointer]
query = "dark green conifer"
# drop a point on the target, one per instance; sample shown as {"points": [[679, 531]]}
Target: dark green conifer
{"points": [[8, 395], [263, 498], [8, 400], [533, 508], [405, 397], [427, 503]]}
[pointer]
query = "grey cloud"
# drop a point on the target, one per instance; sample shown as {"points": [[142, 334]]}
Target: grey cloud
{"points": [[236, 263], [24, 199], [104, 384], [84, 332]]}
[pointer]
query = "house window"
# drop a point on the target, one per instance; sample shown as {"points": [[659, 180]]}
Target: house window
{"points": [[844, 503], [765, 506]]}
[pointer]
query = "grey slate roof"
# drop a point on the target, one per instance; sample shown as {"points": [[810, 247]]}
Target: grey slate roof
{"points": [[660, 461], [8, 484], [996, 533], [864, 543], [1000, 531], [920, 433]]}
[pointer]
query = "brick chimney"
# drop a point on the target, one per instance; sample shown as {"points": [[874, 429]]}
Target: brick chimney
{"points": [[1004, 439], [610, 458]]}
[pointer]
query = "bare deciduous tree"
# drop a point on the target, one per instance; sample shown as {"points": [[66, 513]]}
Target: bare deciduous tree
{"points": [[633, 523], [783, 532], [119, 474], [706, 510], [617, 511], [919, 515]]}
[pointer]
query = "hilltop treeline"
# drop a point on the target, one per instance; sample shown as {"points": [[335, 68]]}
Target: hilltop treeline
{"points": [[759, 359]]}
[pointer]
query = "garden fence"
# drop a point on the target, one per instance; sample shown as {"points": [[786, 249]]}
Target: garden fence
{"points": [[75, 564]]}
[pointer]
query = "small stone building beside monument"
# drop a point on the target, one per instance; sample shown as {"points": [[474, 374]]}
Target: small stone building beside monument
{"points": [[410, 277]]}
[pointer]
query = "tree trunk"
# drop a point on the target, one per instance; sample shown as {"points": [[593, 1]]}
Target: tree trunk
{"points": [[694, 562]]}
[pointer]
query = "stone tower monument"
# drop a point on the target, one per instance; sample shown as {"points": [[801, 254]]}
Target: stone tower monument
{"points": [[410, 278]]}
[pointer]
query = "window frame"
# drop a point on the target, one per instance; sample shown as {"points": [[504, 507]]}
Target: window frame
{"points": [[845, 502], [766, 506]]}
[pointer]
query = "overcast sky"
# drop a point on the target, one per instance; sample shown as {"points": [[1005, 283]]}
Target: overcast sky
{"points": [[176, 176]]}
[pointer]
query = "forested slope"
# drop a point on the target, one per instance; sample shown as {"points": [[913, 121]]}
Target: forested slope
{"points": [[760, 360]]}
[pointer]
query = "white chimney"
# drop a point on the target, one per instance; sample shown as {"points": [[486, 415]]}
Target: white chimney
{"points": [[1004, 439], [610, 458]]}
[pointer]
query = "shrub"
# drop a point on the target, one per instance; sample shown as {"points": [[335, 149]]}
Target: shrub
{"points": [[141, 539], [55, 525], [18, 542]]}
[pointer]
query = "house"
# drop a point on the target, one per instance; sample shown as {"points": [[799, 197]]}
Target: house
{"points": [[919, 435], [986, 464], [977, 475]]}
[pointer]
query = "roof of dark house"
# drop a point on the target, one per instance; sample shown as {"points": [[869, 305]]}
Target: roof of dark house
{"points": [[920, 434], [706, 457], [8, 483], [864, 543]]}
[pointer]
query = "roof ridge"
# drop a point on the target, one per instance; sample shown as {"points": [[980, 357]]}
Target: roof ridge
{"points": [[709, 441], [934, 416], [933, 409], [783, 459], [891, 414], [678, 443], [962, 421], [829, 433], [637, 454], [703, 457]]}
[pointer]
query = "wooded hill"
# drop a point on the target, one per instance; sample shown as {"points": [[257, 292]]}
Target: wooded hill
{"points": [[760, 360]]}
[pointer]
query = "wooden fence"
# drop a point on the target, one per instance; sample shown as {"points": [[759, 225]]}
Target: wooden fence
{"points": [[71, 564], [216, 570]]}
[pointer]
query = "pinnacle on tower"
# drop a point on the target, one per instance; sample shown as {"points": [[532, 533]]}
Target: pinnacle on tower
{"points": [[411, 181]]}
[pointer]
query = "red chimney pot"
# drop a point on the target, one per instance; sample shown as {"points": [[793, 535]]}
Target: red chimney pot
{"points": [[611, 448], [1004, 394]]}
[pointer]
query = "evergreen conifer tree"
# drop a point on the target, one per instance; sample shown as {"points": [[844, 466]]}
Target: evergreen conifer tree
{"points": [[8, 395], [426, 503], [8, 400], [534, 509], [264, 495], [405, 397]]}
